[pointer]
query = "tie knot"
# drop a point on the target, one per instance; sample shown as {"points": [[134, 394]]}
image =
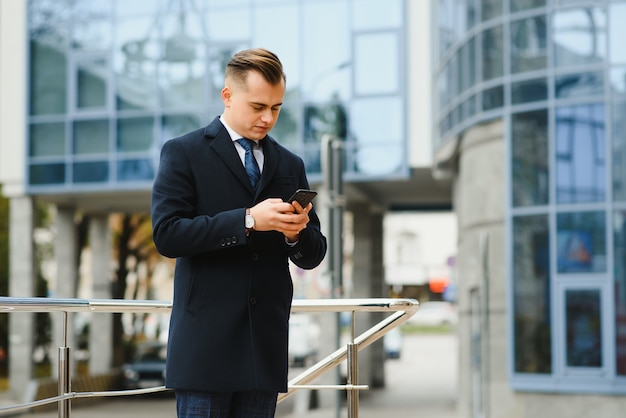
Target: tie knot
{"points": [[246, 143]]}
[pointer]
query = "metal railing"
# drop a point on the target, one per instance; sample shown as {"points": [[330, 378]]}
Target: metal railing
{"points": [[401, 310]]}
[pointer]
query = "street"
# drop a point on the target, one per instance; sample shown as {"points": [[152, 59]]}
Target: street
{"points": [[423, 382]]}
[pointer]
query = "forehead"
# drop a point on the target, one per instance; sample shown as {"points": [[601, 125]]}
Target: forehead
{"points": [[259, 90]]}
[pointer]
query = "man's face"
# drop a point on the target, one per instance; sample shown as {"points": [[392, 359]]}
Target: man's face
{"points": [[252, 108]]}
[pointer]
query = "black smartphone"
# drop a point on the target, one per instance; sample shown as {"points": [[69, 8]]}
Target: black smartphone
{"points": [[303, 197]]}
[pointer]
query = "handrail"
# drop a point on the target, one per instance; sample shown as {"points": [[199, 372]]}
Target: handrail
{"points": [[402, 310]]}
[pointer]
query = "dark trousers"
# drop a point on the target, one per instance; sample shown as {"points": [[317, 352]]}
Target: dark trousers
{"points": [[249, 404]]}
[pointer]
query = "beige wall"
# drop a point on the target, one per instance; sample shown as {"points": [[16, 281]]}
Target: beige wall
{"points": [[13, 108]]}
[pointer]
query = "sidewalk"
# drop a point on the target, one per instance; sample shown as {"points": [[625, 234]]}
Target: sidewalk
{"points": [[422, 383]]}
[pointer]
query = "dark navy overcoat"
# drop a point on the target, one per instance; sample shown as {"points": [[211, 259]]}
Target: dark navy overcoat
{"points": [[232, 291]]}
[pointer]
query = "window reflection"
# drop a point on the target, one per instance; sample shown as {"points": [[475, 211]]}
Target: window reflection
{"points": [[493, 53], [618, 81], [48, 66], [619, 250], [519, 5], [579, 37], [531, 293], [580, 154], [528, 44], [91, 137], [90, 172], [91, 84], [529, 91], [493, 98], [135, 134], [173, 126], [581, 242], [40, 174], [579, 85], [376, 63], [47, 139], [529, 142], [618, 155], [617, 34], [583, 321], [135, 170], [376, 14], [491, 9]]}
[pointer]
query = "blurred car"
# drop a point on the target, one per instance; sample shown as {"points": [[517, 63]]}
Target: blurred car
{"points": [[392, 343], [147, 368], [435, 314], [304, 334]]}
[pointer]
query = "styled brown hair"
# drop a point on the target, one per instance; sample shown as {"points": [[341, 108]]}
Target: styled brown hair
{"points": [[256, 59]]}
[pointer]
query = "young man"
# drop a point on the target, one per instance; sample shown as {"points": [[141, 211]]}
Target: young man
{"points": [[223, 215]]}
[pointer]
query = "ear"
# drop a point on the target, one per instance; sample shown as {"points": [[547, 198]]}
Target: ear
{"points": [[227, 94]]}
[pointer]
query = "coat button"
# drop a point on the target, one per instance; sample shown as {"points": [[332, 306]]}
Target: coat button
{"points": [[255, 257], [234, 240], [253, 301], [228, 241], [222, 243], [297, 255]]}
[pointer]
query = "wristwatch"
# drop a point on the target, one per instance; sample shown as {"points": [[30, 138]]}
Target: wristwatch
{"points": [[249, 223]]}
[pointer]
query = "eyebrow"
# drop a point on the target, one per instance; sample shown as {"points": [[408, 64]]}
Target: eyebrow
{"points": [[265, 105]]}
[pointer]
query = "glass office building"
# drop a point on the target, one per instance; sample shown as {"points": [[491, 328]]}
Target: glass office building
{"points": [[554, 73], [112, 80]]}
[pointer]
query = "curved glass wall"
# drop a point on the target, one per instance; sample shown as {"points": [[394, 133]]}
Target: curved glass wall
{"points": [[555, 72], [112, 80]]}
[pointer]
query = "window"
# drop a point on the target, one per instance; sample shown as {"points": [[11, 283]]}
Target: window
{"points": [[581, 242], [580, 154], [531, 288], [579, 37], [528, 45], [493, 52], [529, 91], [619, 250], [529, 137], [618, 154]]}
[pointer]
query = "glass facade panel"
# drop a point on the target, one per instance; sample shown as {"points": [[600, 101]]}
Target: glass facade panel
{"points": [[468, 65], [579, 37], [135, 170], [529, 91], [91, 84], [619, 251], [493, 53], [176, 125], [376, 63], [375, 14], [579, 85], [617, 34], [519, 5], [135, 134], [581, 242], [379, 145], [40, 174], [528, 45], [580, 154], [92, 32], [618, 81], [326, 72], [618, 151], [491, 9], [182, 66], [531, 293], [47, 139], [135, 55], [91, 137], [529, 147], [48, 67], [493, 98], [583, 322], [91, 172]]}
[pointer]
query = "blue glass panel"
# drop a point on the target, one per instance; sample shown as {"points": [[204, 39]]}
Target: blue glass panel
{"points": [[135, 134], [491, 9], [91, 84], [91, 137], [581, 242], [580, 154], [529, 148], [376, 14], [579, 85], [619, 257], [618, 81], [579, 37], [176, 125], [529, 91], [528, 45], [47, 139], [377, 62], [48, 66], [519, 5], [617, 34], [493, 98], [493, 53], [583, 324], [618, 154], [91, 172], [137, 169], [40, 174], [531, 295]]}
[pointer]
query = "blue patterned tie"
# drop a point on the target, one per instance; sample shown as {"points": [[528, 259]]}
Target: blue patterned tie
{"points": [[252, 168]]}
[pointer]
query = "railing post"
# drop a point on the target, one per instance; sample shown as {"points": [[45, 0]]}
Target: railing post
{"points": [[353, 380], [64, 373]]}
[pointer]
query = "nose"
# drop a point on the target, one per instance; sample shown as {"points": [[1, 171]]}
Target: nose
{"points": [[267, 116]]}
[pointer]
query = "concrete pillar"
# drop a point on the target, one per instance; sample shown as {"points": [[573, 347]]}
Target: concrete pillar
{"points": [[65, 248], [368, 282], [101, 329], [21, 284]]}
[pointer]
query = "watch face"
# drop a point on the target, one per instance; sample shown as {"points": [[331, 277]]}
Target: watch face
{"points": [[249, 221]]}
